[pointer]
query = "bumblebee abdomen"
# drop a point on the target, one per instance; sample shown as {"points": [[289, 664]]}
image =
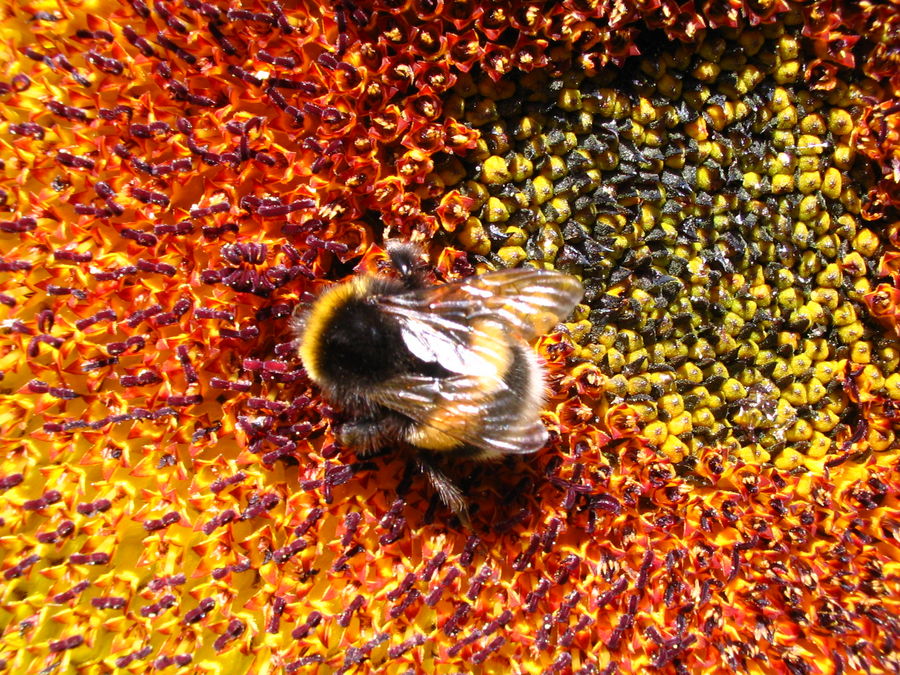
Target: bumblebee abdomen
{"points": [[522, 397], [507, 396]]}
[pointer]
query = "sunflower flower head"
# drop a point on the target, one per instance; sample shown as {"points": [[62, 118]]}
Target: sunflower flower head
{"points": [[720, 487]]}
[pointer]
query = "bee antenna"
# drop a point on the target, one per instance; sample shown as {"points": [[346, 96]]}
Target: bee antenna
{"points": [[405, 258]]}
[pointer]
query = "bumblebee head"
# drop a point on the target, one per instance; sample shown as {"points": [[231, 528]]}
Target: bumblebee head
{"points": [[406, 260]]}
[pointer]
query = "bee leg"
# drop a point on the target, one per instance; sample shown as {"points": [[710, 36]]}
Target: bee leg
{"points": [[368, 436], [449, 493]]}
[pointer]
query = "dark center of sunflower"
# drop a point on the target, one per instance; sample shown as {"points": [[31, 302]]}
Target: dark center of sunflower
{"points": [[710, 199]]}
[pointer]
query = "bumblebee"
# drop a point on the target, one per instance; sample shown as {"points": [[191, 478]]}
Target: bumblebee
{"points": [[440, 370]]}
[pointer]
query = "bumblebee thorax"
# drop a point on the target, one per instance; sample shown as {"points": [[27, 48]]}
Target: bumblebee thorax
{"points": [[348, 341]]}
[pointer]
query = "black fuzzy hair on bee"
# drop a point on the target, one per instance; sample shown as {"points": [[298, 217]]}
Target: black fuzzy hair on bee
{"points": [[406, 260], [439, 370]]}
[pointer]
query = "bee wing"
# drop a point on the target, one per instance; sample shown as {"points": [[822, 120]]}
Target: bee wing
{"points": [[464, 327], [494, 431], [527, 301], [523, 303]]}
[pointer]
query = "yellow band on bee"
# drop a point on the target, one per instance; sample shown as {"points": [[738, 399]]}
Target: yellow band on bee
{"points": [[491, 344], [316, 322]]}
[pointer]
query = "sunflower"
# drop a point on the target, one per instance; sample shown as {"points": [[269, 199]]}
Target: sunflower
{"points": [[719, 492]]}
